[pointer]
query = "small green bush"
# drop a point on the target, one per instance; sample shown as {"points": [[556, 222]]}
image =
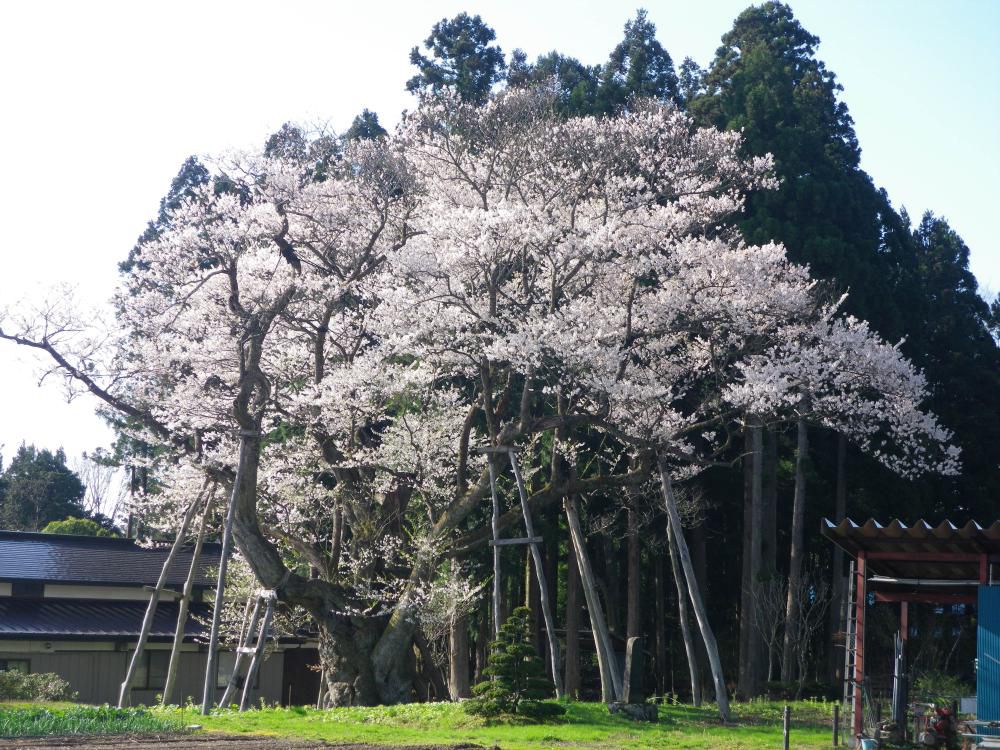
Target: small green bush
{"points": [[518, 685], [44, 686]]}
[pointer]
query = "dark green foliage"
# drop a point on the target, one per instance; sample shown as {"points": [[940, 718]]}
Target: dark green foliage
{"points": [[463, 56], [576, 85], [192, 175], [518, 684], [365, 127], [38, 488], [639, 67], [77, 527], [767, 82]]}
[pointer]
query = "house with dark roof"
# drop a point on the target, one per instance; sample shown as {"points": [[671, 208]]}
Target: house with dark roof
{"points": [[74, 605]]}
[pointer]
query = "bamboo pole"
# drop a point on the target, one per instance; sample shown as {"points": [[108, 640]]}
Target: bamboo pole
{"points": [[182, 608], [154, 599], [611, 679], [543, 587], [701, 615]]}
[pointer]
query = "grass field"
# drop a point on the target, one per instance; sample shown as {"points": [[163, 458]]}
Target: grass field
{"points": [[585, 725]]}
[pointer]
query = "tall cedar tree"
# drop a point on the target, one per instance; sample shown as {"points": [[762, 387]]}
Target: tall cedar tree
{"points": [[639, 67], [463, 56], [517, 683], [38, 487]]}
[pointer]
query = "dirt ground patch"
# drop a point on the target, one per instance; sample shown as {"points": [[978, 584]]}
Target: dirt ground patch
{"points": [[196, 742]]}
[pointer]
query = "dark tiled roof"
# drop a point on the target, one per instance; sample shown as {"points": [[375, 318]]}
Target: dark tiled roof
{"points": [[61, 558], [81, 618], [920, 551]]}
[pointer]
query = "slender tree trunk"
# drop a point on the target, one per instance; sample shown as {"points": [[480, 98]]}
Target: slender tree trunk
{"points": [[154, 599], [793, 604], [769, 542], [182, 607], [633, 625], [572, 681], [682, 611], [482, 642], [458, 656], [752, 660], [659, 626], [701, 615], [837, 592], [745, 677], [611, 679]]}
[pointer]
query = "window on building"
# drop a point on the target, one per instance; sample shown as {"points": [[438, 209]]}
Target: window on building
{"points": [[224, 670], [151, 674], [27, 589], [15, 665]]}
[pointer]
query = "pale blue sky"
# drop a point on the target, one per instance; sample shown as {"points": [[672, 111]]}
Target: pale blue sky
{"points": [[100, 102]]}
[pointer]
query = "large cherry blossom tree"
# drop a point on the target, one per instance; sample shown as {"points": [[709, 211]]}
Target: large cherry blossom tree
{"points": [[331, 345]]}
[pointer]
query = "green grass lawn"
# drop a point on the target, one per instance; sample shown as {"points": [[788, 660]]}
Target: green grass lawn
{"points": [[585, 725]]}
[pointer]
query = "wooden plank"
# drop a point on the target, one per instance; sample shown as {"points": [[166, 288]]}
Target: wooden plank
{"points": [[498, 449], [519, 540]]}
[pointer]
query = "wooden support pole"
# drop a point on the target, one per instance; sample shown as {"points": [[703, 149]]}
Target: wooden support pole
{"points": [[861, 594], [694, 593], [516, 541], [212, 662], [241, 650], [154, 599], [836, 724], [543, 588], [611, 678], [786, 725], [682, 612], [182, 607], [496, 548], [258, 653]]}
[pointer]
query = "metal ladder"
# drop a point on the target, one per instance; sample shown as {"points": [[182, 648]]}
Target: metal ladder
{"points": [[258, 631]]}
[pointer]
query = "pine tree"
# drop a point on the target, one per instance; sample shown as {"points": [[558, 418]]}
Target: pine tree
{"points": [[518, 684]]}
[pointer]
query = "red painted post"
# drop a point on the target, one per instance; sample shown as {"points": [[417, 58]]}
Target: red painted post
{"points": [[904, 620], [984, 568], [859, 643]]}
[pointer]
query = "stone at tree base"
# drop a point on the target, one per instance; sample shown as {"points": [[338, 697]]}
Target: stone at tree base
{"points": [[633, 687], [634, 705], [635, 711]]}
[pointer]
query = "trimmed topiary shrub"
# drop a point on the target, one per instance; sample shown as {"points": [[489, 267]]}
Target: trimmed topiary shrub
{"points": [[518, 685]]}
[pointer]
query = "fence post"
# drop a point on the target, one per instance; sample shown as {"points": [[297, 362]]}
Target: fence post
{"points": [[836, 724], [786, 724]]}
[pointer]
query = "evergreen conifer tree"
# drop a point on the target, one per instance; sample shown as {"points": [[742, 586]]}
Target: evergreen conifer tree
{"points": [[517, 683]]}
